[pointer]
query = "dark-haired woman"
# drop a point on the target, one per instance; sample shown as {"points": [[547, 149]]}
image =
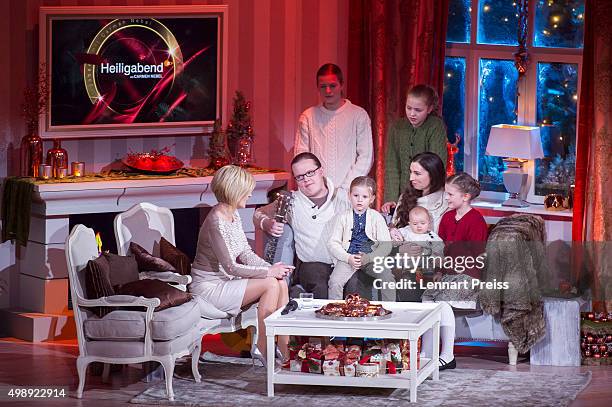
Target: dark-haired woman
{"points": [[425, 188], [336, 131]]}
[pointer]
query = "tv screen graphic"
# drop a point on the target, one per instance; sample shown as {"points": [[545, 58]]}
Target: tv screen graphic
{"points": [[132, 71]]}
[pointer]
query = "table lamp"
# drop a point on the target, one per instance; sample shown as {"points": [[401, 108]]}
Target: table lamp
{"points": [[517, 144]]}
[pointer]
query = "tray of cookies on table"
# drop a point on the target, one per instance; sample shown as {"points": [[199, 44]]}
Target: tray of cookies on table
{"points": [[354, 308]]}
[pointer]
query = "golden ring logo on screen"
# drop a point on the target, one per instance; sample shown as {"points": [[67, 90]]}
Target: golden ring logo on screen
{"points": [[120, 30]]}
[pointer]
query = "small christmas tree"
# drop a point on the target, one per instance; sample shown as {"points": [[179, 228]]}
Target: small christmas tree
{"points": [[217, 150], [240, 124], [561, 172], [240, 130]]}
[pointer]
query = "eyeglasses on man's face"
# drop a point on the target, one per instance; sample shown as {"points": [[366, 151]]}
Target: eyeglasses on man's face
{"points": [[309, 174]]}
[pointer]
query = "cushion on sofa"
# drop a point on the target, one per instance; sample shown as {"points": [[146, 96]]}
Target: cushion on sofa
{"points": [[179, 260], [148, 262], [151, 288], [98, 283], [124, 325], [123, 269]]}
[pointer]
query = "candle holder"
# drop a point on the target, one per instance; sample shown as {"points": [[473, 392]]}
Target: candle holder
{"points": [[61, 173], [57, 157], [78, 168], [44, 171]]}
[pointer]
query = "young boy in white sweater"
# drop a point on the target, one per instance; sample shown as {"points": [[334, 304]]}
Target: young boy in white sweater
{"points": [[359, 235]]}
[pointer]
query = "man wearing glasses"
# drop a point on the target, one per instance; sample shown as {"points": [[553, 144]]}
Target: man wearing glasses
{"points": [[316, 204]]}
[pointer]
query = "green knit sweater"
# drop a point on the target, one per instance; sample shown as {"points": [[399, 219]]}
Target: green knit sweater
{"points": [[404, 142]]}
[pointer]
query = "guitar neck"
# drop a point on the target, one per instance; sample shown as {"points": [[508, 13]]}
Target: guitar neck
{"points": [[271, 249]]}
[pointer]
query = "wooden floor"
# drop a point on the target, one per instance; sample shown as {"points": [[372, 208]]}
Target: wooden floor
{"points": [[53, 364]]}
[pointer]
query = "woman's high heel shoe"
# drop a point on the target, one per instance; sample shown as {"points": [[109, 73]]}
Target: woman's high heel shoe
{"points": [[279, 354], [256, 355]]}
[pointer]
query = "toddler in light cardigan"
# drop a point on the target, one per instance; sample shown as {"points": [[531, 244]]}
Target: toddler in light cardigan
{"points": [[359, 235]]}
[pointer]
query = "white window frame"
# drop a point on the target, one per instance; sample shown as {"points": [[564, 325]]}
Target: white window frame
{"points": [[473, 53]]}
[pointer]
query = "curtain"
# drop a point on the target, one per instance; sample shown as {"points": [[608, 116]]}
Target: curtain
{"points": [[592, 220], [393, 45]]}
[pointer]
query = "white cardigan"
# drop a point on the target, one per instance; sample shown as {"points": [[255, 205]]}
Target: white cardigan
{"points": [[376, 230], [434, 203]]}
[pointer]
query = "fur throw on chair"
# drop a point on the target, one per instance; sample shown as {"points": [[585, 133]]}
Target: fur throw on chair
{"points": [[515, 254]]}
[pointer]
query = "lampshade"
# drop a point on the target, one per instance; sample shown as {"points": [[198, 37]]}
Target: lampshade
{"points": [[509, 140]]}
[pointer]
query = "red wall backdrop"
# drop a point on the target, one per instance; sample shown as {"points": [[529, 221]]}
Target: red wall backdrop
{"points": [[275, 48]]}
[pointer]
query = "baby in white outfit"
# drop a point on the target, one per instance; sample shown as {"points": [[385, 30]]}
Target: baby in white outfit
{"points": [[418, 231]]}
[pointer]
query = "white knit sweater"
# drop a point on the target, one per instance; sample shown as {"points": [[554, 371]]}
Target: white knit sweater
{"points": [[341, 139], [312, 226]]}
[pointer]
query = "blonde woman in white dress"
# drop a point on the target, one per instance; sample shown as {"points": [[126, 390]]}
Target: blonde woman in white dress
{"points": [[226, 272]]}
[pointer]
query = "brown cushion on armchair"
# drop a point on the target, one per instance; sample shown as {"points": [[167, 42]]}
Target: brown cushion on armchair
{"points": [[148, 262], [123, 269], [175, 257], [151, 288], [98, 284]]}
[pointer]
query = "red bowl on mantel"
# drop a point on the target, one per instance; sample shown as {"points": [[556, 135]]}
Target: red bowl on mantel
{"points": [[153, 163]]}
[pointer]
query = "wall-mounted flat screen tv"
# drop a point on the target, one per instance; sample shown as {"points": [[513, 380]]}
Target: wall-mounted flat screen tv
{"points": [[133, 71]]}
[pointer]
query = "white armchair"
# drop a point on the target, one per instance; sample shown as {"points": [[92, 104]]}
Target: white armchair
{"points": [[162, 336], [145, 224]]}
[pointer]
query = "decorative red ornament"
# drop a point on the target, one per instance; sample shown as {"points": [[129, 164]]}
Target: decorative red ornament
{"points": [[521, 57], [451, 150], [603, 348], [155, 161], [565, 287], [589, 338], [587, 353], [609, 338]]}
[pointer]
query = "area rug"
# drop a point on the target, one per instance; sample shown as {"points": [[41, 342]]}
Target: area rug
{"points": [[235, 382]]}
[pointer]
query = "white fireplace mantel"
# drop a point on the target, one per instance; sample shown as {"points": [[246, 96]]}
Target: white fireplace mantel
{"points": [[43, 275], [119, 195]]}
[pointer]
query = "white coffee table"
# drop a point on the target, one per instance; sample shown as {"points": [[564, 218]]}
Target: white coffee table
{"points": [[409, 321]]}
